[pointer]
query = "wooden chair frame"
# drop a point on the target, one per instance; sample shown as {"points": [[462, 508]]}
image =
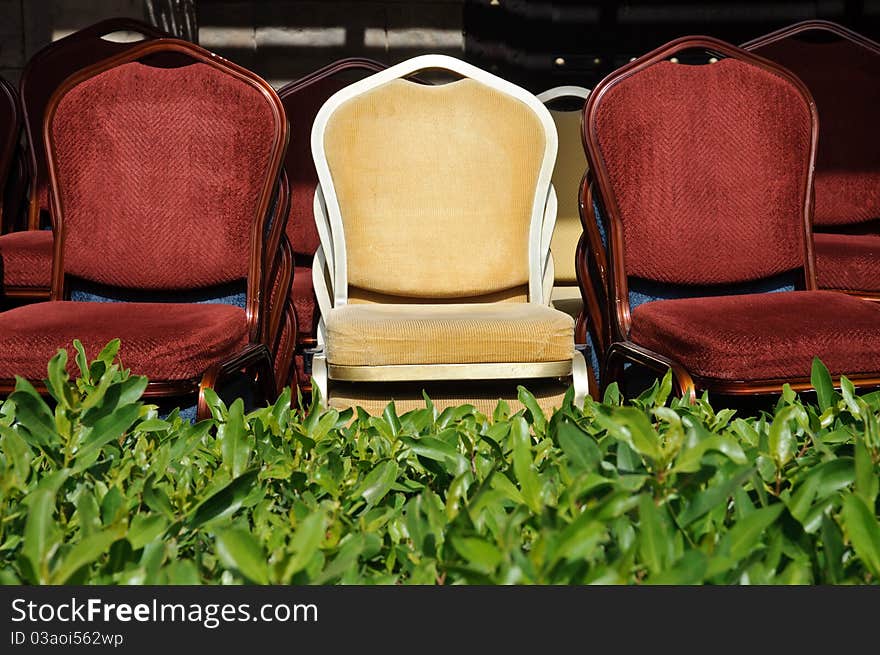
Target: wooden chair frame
{"points": [[8, 139], [330, 274], [830, 28], [589, 312], [255, 357], [620, 348]]}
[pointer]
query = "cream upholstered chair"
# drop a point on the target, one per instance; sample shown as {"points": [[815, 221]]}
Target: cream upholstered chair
{"points": [[571, 164], [435, 212]]}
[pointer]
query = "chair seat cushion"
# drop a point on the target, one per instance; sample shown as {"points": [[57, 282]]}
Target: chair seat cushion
{"points": [[26, 259], [164, 341], [385, 335], [848, 262], [763, 336], [303, 296]]}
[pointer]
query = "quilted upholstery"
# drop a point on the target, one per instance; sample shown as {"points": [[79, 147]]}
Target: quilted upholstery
{"points": [[844, 79], [26, 259], [438, 205], [763, 336], [708, 165], [377, 335], [848, 262], [161, 341], [162, 166], [303, 299]]}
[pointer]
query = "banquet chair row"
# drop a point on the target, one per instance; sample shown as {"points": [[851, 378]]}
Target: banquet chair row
{"points": [[456, 266], [699, 203], [168, 206]]}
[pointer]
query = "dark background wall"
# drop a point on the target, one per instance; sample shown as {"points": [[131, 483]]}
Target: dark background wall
{"points": [[540, 43], [537, 43]]}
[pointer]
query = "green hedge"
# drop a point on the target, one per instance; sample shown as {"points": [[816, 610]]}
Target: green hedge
{"points": [[96, 489]]}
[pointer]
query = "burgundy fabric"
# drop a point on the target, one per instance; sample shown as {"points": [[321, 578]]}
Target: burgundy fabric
{"points": [[763, 336], [26, 259], [304, 302], [48, 68], [708, 165], [161, 341], [301, 108], [844, 79], [848, 262], [163, 167]]}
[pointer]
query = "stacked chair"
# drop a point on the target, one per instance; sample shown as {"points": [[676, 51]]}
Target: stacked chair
{"points": [[163, 163], [842, 71], [455, 239], [435, 213], [27, 254], [302, 99], [703, 175]]}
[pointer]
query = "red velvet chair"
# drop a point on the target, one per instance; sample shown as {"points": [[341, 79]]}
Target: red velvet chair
{"points": [[842, 71], [162, 163], [705, 175], [28, 253], [302, 99]]}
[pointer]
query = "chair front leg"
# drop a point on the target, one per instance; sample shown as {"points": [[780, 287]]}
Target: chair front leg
{"points": [[254, 359], [621, 352]]}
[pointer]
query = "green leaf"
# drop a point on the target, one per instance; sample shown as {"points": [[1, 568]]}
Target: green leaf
{"points": [[863, 531], [689, 570], [633, 427], [239, 550], [225, 501], [714, 496], [233, 439], [439, 451], [144, 529], [781, 440], [41, 535], [866, 478], [523, 465], [820, 378], [539, 420], [110, 428], [745, 534], [378, 482], [305, 542], [580, 448], [85, 552], [32, 412], [479, 554], [653, 540]]}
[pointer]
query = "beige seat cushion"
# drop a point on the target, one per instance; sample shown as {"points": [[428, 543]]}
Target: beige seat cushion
{"points": [[388, 335]]}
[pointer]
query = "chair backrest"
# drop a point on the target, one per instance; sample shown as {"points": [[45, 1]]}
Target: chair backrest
{"points": [[302, 99], [842, 71], [162, 164], [704, 171], [435, 192], [44, 73], [10, 131], [571, 164]]}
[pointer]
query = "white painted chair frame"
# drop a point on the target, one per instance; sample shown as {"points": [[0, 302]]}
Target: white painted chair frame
{"points": [[330, 273]]}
